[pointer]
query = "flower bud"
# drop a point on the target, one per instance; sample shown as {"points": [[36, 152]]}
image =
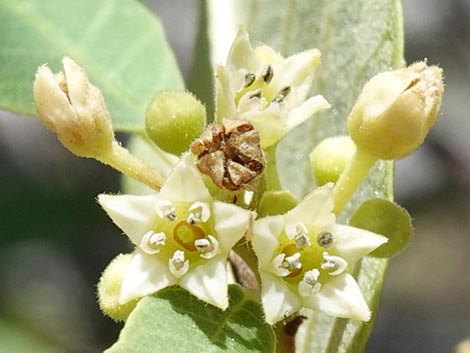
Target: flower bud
{"points": [[109, 289], [72, 107], [330, 157], [174, 120], [396, 110]]}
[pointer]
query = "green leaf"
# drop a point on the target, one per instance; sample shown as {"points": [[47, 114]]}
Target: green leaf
{"points": [[120, 43], [357, 39], [388, 219], [175, 321]]}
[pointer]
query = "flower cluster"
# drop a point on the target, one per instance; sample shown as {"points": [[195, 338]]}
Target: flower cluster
{"points": [[183, 233]]}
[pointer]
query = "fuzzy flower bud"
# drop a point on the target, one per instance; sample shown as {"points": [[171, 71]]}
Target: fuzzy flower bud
{"points": [[72, 107], [109, 289], [396, 110], [174, 120]]}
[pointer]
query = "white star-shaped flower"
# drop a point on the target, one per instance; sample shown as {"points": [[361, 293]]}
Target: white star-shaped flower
{"points": [[262, 87], [304, 258], [182, 236]]}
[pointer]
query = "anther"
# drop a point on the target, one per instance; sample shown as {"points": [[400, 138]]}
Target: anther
{"points": [[207, 247], [335, 265], [165, 209], [249, 79], [178, 264], [292, 262], [325, 240], [282, 95], [256, 94], [199, 212], [151, 242], [309, 284], [267, 74]]}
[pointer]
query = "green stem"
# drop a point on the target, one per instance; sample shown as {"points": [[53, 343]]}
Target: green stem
{"points": [[122, 160], [351, 178], [271, 176]]}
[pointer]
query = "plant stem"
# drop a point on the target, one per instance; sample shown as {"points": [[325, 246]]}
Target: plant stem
{"points": [[351, 178], [271, 176], [122, 160]]}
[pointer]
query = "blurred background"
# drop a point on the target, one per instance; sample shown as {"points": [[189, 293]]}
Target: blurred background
{"points": [[55, 240]]}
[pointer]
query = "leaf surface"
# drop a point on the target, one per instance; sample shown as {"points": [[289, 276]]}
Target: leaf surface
{"points": [[119, 43]]}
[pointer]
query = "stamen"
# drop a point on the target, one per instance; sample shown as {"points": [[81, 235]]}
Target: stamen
{"points": [[325, 240], [165, 209], [207, 248], [256, 94], [281, 95], [309, 284], [298, 232], [292, 262], [178, 264], [199, 212], [335, 265], [267, 74], [249, 79], [151, 242]]}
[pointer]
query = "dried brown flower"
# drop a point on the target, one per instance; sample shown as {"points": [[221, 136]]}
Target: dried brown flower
{"points": [[230, 154]]}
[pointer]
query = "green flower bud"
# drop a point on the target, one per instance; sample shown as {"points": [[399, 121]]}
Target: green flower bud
{"points": [[109, 289], [174, 120], [396, 110], [72, 107], [276, 202], [330, 157]]}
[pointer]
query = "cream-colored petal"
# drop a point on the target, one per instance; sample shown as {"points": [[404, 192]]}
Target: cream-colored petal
{"points": [[51, 102], [77, 83], [184, 184], [354, 243], [231, 224], [208, 282], [315, 209], [242, 54], [268, 124], [340, 297], [145, 275], [228, 82], [135, 215], [278, 300], [265, 233], [296, 71], [305, 111]]}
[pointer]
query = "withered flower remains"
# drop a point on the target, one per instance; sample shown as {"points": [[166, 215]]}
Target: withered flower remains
{"points": [[230, 154]]}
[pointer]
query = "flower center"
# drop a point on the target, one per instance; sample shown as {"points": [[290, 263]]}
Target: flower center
{"points": [[305, 258], [257, 89], [182, 235]]}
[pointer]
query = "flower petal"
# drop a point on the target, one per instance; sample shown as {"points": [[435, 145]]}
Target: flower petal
{"points": [[340, 297], [242, 54], [315, 209], [133, 214], [231, 223], [268, 124], [297, 72], [208, 282], [278, 300], [305, 110], [145, 275], [228, 82], [184, 184], [265, 234], [353, 243]]}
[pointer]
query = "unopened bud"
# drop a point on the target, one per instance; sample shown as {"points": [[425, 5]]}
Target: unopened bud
{"points": [[174, 120], [396, 110], [72, 107], [109, 289], [330, 157]]}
